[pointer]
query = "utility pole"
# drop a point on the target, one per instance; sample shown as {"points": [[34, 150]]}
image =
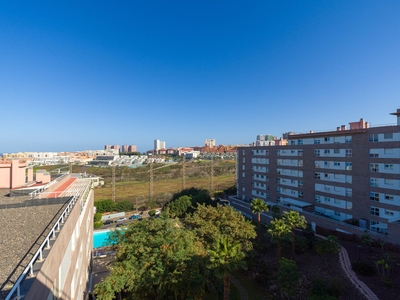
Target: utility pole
{"points": [[212, 176], [184, 173], [151, 181], [113, 183]]}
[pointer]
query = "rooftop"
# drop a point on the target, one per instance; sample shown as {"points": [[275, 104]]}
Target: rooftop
{"points": [[24, 225]]}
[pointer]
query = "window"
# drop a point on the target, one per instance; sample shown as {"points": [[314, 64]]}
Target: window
{"points": [[327, 139], [327, 188], [316, 152], [317, 176], [389, 212], [326, 175], [301, 195], [374, 182], [349, 166], [373, 137], [278, 189], [292, 142], [326, 163], [373, 155], [388, 151], [293, 151], [374, 196], [327, 199], [327, 151], [348, 152], [300, 142], [388, 181], [300, 163], [317, 165], [300, 184], [337, 213], [336, 201], [336, 151], [349, 192], [374, 167], [317, 141], [300, 152], [374, 211], [388, 167], [389, 197], [317, 198], [348, 139], [387, 136]]}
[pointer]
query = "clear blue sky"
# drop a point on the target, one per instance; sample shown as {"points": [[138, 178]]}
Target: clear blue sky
{"points": [[76, 75]]}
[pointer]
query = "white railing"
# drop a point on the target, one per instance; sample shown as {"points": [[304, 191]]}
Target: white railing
{"points": [[45, 187], [39, 253]]}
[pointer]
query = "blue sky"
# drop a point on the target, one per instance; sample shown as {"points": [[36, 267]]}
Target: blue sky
{"points": [[76, 75]]}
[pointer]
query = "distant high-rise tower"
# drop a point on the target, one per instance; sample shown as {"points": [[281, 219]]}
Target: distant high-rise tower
{"points": [[159, 145], [107, 147], [210, 143]]}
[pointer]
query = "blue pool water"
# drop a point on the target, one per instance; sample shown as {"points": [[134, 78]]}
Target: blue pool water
{"points": [[99, 238]]}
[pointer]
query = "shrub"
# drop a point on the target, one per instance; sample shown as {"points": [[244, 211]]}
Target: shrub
{"points": [[288, 276], [97, 224], [124, 206], [302, 244], [97, 217], [103, 206], [152, 213], [362, 268], [326, 290]]}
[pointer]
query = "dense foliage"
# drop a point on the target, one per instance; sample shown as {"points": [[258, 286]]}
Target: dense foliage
{"points": [[165, 258], [210, 223], [158, 259]]}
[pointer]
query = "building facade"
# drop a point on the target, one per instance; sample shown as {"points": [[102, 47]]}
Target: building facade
{"points": [[349, 177]]}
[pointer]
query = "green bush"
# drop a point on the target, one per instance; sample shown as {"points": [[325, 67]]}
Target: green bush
{"points": [[103, 206], [326, 289], [152, 213], [97, 225], [362, 268], [97, 217], [124, 206], [302, 244]]}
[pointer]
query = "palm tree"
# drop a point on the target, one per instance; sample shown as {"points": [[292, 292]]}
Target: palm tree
{"points": [[294, 219], [277, 229], [257, 207], [226, 258]]}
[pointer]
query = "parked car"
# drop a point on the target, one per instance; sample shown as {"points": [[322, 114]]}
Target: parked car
{"points": [[135, 216], [121, 220], [158, 212], [108, 222]]}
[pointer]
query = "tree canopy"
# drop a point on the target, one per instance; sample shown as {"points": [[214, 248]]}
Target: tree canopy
{"points": [[157, 259], [210, 223]]}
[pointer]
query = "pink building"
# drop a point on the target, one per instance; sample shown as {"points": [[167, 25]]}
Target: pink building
{"points": [[12, 174]]}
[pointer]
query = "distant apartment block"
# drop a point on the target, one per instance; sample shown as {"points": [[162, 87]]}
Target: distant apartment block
{"points": [[346, 179], [210, 143], [159, 145], [129, 148]]}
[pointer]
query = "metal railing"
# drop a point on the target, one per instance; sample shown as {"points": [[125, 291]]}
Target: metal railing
{"points": [[45, 187], [39, 253]]}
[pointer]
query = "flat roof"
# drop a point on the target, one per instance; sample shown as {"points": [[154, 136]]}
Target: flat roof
{"points": [[24, 225]]}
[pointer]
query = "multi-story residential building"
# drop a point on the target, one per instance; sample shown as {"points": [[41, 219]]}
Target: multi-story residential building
{"points": [[347, 179], [49, 236], [159, 145], [210, 143]]}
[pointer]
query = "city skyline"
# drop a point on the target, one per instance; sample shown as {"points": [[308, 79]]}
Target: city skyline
{"points": [[76, 75]]}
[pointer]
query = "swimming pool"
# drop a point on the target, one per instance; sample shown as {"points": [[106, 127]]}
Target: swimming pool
{"points": [[99, 238]]}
